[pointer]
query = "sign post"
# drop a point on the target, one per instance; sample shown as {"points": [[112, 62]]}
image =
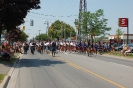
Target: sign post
{"points": [[123, 22]]}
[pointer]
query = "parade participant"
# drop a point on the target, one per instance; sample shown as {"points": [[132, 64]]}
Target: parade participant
{"points": [[85, 47], [89, 48], [79, 44], [47, 44], [25, 47], [41, 45], [61, 46], [64, 46], [74, 46], [82, 46], [57, 46], [71, 46], [32, 47], [99, 48], [95, 45], [67, 45], [53, 46]]}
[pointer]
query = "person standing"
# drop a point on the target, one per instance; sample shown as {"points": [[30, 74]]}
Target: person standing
{"points": [[32, 47], [53, 45]]}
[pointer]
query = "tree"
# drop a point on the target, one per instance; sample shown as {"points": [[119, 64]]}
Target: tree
{"points": [[13, 12], [44, 37], [94, 23], [60, 29], [23, 36], [13, 35], [119, 32]]}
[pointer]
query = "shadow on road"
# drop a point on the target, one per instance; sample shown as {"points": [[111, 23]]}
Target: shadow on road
{"points": [[39, 62]]}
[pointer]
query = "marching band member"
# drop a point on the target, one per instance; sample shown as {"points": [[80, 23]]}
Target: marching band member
{"points": [[47, 44], [61, 46], [71, 46], [64, 46], [74, 46], [67, 46]]}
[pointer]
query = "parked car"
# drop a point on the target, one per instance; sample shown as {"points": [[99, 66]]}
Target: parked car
{"points": [[131, 47], [118, 47]]}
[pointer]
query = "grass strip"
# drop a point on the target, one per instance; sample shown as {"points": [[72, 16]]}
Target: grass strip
{"points": [[2, 76], [116, 53]]}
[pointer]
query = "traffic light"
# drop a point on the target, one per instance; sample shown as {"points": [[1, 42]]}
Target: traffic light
{"points": [[23, 28], [51, 27], [31, 22]]}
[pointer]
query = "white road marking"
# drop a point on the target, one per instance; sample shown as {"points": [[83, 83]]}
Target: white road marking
{"points": [[121, 65]]}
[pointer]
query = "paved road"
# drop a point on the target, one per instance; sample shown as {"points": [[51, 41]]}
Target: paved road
{"points": [[73, 71]]}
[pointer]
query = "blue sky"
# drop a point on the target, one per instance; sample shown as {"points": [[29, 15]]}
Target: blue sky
{"points": [[61, 9]]}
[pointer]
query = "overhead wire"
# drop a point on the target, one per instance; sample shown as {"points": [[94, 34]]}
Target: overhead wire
{"points": [[68, 6], [58, 6]]}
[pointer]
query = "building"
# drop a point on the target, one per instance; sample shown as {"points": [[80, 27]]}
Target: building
{"points": [[123, 37]]}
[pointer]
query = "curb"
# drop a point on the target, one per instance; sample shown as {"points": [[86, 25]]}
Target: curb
{"points": [[8, 76]]}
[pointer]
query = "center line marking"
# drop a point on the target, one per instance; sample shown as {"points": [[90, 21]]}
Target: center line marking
{"points": [[90, 72]]}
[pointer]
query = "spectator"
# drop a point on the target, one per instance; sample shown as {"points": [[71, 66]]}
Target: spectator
{"points": [[126, 50], [5, 52]]}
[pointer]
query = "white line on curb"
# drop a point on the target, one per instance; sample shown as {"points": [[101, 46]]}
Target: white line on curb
{"points": [[14, 74]]}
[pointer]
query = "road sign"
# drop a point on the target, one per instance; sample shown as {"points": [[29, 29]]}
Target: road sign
{"points": [[123, 22]]}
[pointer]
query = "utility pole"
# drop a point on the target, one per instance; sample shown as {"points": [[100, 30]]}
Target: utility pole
{"points": [[64, 34], [47, 27], [39, 35], [70, 36], [82, 8], [47, 22]]}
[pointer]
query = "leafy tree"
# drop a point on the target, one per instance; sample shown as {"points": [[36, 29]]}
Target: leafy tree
{"points": [[23, 36], [42, 37], [93, 23], [60, 29], [13, 12], [13, 35], [119, 32], [101, 38]]}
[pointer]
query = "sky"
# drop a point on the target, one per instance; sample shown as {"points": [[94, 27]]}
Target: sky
{"points": [[68, 10]]}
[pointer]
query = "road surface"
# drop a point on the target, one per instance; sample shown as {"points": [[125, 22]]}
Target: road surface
{"points": [[72, 71]]}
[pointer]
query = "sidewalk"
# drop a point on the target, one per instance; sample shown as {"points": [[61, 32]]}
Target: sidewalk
{"points": [[5, 68]]}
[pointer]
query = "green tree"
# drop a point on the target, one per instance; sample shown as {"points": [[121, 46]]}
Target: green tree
{"points": [[15, 35], [23, 36], [13, 12], [42, 37], [119, 32], [93, 23], [60, 29]]}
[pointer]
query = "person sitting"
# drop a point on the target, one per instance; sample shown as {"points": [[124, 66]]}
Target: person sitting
{"points": [[126, 50], [6, 53]]}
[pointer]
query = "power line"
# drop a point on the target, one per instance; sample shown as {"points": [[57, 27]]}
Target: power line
{"points": [[58, 6], [53, 15], [70, 6], [70, 9]]}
